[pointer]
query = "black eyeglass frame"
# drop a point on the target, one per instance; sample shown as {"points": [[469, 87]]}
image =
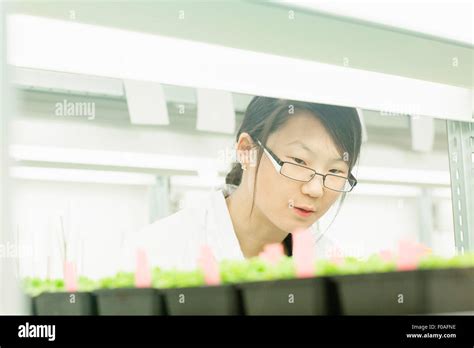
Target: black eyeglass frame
{"points": [[277, 162]]}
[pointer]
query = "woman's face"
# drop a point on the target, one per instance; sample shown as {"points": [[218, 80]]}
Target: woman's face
{"points": [[301, 140]]}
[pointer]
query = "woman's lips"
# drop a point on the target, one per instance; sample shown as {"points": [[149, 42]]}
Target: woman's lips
{"points": [[303, 212]]}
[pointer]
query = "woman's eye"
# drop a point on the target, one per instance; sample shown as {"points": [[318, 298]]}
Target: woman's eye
{"points": [[336, 171], [298, 161]]}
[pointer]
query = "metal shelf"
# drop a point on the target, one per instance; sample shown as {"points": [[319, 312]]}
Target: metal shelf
{"points": [[461, 167]]}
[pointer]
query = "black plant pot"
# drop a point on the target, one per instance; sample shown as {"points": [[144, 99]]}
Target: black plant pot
{"points": [[129, 301], [65, 303], [311, 296], [203, 300], [449, 290], [390, 293]]}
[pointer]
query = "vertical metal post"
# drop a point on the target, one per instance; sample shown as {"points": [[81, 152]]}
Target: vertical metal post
{"points": [[461, 167]]}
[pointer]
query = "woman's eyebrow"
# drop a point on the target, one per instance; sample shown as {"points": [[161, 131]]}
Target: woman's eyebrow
{"points": [[303, 145]]}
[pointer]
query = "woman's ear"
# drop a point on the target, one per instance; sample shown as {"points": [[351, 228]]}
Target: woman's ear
{"points": [[245, 142], [245, 148]]}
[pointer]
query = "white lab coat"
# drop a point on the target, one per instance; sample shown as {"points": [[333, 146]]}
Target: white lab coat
{"points": [[175, 241]]}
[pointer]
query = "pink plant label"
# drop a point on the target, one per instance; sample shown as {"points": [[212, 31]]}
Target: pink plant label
{"points": [[70, 277], [409, 254], [208, 264], [272, 253], [303, 253], [143, 271]]}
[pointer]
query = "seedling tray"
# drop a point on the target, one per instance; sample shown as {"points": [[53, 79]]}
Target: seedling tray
{"points": [[390, 293], [449, 290], [203, 300], [65, 303], [130, 301], [311, 296]]}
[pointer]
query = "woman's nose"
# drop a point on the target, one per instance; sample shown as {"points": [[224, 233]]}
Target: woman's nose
{"points": [[315, 187]]}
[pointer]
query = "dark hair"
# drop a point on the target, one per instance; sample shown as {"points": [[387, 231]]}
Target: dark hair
{"points": [[265, 115]]}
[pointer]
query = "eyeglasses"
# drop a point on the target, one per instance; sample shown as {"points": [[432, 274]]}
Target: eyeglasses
{"points": [[301, 173]]}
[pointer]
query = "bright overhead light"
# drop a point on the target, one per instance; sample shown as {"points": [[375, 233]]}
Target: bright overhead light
{"points": [[82, 176], [402, 175], [113, 158], [196, 181], [48, 44], [61, 82], [387, 190]]}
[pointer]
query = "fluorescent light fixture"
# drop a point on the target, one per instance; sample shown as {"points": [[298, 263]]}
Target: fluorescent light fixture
{"points": [[59, 82], [413, 15], [82, 176], [422, 133], [112, 158], [196, 181], [32, 42], [386, 190], [146, 103], [215, 111], [399, 175], [67, 83]]}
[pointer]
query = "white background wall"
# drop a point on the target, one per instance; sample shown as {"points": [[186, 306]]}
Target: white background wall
{"points": [[95, 217]]}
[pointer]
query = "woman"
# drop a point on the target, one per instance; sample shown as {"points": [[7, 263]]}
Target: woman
{"points": [[295, 162]]}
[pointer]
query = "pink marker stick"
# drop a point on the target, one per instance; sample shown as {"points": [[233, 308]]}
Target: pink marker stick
{"points": [[208, 264], [303, 253], [272, 253], [70, 277], [142, 271], [409, 254]]}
